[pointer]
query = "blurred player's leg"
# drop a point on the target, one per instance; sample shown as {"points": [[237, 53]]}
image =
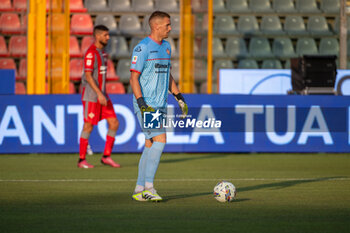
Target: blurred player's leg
{"points": [[84, 142], [110, 138]]}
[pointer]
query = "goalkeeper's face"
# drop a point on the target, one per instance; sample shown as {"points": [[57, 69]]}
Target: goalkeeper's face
{"points": [[103, 38]]}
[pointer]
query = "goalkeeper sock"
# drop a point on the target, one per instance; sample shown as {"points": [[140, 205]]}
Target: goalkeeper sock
{"points": [[153, 159], [142, 167], [110, 138]]}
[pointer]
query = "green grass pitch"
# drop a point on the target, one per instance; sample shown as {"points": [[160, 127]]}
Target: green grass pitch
{"points": [[276, 193]]}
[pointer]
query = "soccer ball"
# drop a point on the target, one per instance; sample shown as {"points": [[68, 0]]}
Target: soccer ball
{"points": [[224, 191]]}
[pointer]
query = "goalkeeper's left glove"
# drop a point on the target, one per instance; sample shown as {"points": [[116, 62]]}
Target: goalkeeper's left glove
{"points": [[181, 101]]}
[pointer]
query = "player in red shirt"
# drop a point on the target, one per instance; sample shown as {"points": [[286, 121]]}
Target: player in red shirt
{"points": [[96, 103]]}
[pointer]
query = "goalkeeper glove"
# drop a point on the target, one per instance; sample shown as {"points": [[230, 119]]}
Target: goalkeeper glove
{"points": [[181, 101], [143, 106]]}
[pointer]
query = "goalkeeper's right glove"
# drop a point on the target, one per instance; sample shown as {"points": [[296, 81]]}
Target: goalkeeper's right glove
{"points": [[143, 106], [182, 104]]}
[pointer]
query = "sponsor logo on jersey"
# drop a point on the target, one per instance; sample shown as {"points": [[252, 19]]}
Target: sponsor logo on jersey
{"points": [[88, 62], [134, 59], [138, 49], [153, 52], [159, 66], [89, 55]]}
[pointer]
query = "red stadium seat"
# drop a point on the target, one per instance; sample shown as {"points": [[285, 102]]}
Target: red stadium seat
{"points": [[115, 88], [20, 5], [85, 43], [18, 46], [111, 74], [20, 88], [71, 88], [3, 47], [10, 23], [76, 69], [24, 23], [74, 48], [8, 63], [81, 24], [6, 5], [76, 6], [22, 71]]}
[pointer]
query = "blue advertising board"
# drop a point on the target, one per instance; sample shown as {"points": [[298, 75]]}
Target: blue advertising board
{"points": [[216, 123]]}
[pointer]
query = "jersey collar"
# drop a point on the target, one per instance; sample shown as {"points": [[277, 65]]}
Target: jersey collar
{"points": [[155, 41]]}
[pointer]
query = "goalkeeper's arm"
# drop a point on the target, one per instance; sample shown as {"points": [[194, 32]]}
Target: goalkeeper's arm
{"points": [[136, 89], [178, 96]]}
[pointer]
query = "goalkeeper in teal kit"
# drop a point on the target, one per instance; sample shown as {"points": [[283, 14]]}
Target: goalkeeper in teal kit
{"points": [[151, 81]]}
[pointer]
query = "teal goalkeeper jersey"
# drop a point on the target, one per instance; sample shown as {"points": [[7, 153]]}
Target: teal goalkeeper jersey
{"points": [[152, 61]]}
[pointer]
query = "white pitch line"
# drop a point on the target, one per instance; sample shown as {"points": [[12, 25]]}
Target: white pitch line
{"points": [[181, 180]]}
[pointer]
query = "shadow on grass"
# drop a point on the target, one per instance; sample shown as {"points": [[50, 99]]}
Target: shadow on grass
{"points": [[194, 157]]}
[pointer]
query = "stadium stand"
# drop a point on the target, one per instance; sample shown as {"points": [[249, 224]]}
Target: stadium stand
{"points": [[6, 5], [129, 25], [175, 70], [307, 6], [111, 74], [236, 48], [175, 25], [283, 48], [22, 70], [218, 48], [85, 43], [76, 69], [96, 5], [294, 25], [18, 46], [259, 47], [174, 52], [123, 70], [19, 5], [170, 6], [109, 21], [117, 47], [77, 6], [261, 6], [248, 64], [317, 25], [200, 70], [145, 25], [219, 6], [337, 25], [119, 5], [72, 88], [238, 6], [10, 23], [133, 42], [285, 6], [74, 48], [224, 25], [329, 46], [271, 25], [271, 64], [248, 25], [115, 88], [23, 23], [81, 24], [306, 46], [142, 5], [20, 88], [204, 88], [221, 64], [3, 47], [330, 6], [8, 63]]}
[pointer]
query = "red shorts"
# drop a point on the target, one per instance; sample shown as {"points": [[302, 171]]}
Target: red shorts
{"points": [[95, 112]]}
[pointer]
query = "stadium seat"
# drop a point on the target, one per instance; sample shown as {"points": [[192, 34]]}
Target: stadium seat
{"points": [[287, 64], [224, 25], [317, 25], [175, 70], [57, 23], [109, 21], [3, 47], [271, 64], [201, 23], [175, 25], [271, 25], [9, 64], [20, 5], [283, 48], [260, 6], [10, 23], [145, 25], [18, 46], [129, 24], [307, 6], [221, 64], [81, 24], [248, 25], [133, 42], [23, 23], [217, 47], [198, 5], [330, 6], [329, 46], [142, 5], [204, 88], [6, 5], [237, 6], [123, 70], [236, 48], [20, 88], [76, 67], [306, 46], [72, 88], [200, 70], [259, 47], [86, 42], [111, 74], [96, 5], [119, 5], [22, 70], [219, 6], [248, 64], [168, 5], [115, 88], [117, 47], [336, 26], [294, 25], [77, 6], [174, 52], [74, 48], [285, 6]]}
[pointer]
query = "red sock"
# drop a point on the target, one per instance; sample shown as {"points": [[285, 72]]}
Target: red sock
{"points": [[109, 145], [83, 147]]}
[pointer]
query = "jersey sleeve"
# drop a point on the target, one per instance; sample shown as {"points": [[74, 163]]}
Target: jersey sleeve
{"points": [[139, 57], [89, 60]]}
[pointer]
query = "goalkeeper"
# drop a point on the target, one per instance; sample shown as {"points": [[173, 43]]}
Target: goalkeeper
{"points": [[150, 81]]}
